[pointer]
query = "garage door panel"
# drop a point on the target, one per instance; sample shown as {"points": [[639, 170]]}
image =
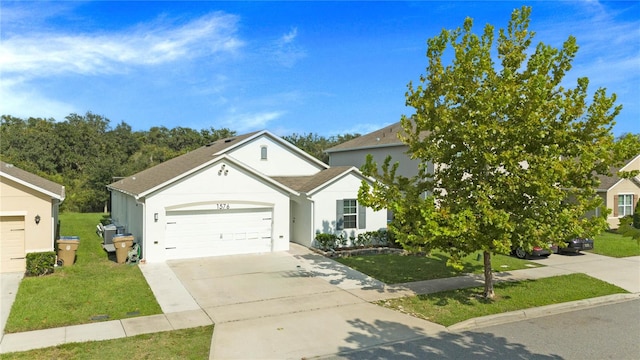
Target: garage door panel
{"points": [[217, 232], [12, 243]]}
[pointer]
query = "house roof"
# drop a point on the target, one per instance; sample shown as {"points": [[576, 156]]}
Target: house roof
{"points": [[307, 184], [155, 176], [33, 181], [148, 180], [387, 136], [607, 182]]}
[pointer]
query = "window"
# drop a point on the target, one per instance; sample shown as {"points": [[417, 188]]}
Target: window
{"points": [[625, 205], [350, 215], [263, 153]]}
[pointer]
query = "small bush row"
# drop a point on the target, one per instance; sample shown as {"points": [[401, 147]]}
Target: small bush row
{"points": [[370, 238]]}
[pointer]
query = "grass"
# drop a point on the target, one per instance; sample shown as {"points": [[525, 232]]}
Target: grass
{"points": [[451, 307], [191, 343], [95, 288], [615, 245], [394, 269]]}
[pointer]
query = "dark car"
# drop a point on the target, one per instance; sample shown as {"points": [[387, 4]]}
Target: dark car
{"points": [[576, 245], [537, 251]]}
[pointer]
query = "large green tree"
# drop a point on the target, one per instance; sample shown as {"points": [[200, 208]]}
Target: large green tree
{"points": [[516, 154]]}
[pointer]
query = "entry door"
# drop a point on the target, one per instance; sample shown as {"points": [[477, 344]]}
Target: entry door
{"points": [[12, 244]]}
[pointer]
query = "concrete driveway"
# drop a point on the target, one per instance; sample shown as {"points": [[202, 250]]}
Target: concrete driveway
{"points": [[292, 305]]}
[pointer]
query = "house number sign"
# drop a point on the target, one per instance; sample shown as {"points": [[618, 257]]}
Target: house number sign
{"points": [[224, 206]]}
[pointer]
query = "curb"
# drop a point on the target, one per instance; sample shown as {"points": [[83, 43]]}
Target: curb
{"points": [[541, 311]]}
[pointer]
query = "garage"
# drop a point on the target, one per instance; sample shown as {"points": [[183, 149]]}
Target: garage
{"points": [[12, 244], [201, 233]]}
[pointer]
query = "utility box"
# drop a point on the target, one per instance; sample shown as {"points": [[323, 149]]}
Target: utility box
{"points": [[123, 244], [110, 231], [67, 247]]}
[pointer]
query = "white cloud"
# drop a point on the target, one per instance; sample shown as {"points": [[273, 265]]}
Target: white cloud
{"points": [[285, 51], [245, 122], [290, 36], [45, 54]]}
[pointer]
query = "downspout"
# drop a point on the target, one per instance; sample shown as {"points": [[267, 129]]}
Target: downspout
{"points": [[313, 222]]}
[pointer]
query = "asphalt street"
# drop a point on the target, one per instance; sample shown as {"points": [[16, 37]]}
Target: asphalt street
{"points": [[603, 332]]}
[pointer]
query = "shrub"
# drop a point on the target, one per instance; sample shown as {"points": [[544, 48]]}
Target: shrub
{"points": [[40, 263], [326, 241], [636, 216]]}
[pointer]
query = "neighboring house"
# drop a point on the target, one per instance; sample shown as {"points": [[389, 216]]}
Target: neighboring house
{"points": [[250, 193], [380, 144], [620, 195], [28, 216]]}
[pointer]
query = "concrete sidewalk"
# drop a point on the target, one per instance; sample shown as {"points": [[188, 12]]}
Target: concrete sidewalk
{"points": [[287, 307]]}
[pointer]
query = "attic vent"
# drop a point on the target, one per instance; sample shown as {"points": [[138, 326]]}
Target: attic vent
{"points": [[210, 144], [229, 140]]}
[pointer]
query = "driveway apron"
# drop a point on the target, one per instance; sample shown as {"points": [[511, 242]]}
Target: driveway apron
{"points": [[290, 305]]}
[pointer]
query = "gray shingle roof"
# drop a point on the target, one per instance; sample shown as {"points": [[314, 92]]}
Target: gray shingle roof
{"points": [[34, 181], [606, 182], [306, 184], [154, 176], [387, 136]]}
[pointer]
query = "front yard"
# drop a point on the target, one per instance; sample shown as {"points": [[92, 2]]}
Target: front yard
{"points": [[395, 269], [615, 245], [93, 289]]}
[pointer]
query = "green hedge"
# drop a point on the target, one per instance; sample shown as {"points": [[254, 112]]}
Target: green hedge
{"points": [[40, 263]]}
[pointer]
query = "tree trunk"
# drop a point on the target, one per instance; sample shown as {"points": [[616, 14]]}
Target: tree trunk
{"points": [[488, 277]]}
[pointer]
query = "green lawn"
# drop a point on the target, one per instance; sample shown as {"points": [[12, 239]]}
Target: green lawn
{"points": [[179, 344], [451, 307], [93, 289], [394, 269], [615, 245]]}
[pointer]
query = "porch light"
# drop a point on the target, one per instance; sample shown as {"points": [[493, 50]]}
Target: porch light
{"points": [[37, 219], [155, 217]]}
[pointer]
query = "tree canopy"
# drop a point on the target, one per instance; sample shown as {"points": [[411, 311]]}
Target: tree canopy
{"points": [[516, 153], [85, 153]]}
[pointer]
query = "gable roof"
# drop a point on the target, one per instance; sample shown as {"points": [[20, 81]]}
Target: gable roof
{"points": [[146, 181], [32, 181], [310, 184], [387, 136], [607, 182]]}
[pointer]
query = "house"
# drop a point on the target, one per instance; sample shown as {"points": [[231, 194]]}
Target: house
{"points": [[380, 144], [620, 195], [250, 193], [28, 216]]}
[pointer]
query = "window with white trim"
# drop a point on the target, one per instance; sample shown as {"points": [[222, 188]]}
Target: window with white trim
{"points": [[350, 215], [625, 205]]}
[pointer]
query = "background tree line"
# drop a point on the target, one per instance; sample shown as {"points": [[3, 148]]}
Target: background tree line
{"points": [[85, 153]]}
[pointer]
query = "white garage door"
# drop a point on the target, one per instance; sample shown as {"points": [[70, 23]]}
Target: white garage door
{"points": [[12, 244], [202, 233]]}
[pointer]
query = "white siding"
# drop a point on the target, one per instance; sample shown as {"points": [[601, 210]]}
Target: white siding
{"points": [[206, 189], [325, 208], [281, 161]]}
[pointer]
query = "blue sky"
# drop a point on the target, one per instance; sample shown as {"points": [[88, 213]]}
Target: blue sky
{"points": [[289, 67]]}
